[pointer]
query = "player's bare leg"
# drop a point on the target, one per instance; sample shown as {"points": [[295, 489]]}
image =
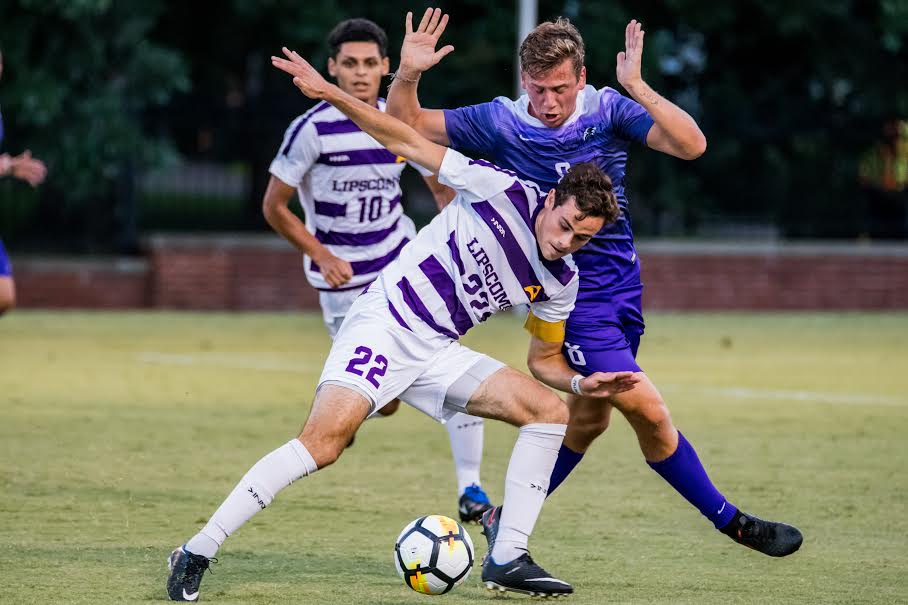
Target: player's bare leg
{"points": [[7, 294], [669, 454], [590, 417], [389, 409], [517, 399], [336, 414]]}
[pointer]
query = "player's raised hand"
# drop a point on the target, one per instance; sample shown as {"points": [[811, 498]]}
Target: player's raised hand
{"points": [[418, 52], [305, 77], [606, 384], [27, 168], [629, 60]]}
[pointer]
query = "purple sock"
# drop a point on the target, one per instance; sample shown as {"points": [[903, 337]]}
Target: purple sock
{"points": [[567, 460], [684, 472]]}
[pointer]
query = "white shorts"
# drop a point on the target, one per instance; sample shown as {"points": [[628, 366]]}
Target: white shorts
{"points": [[335, 306], [382, 360]]}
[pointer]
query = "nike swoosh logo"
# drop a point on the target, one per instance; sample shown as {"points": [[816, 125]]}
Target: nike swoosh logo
{"points": [[512, 571], [190, 597], [547, 580], [719, 512]]}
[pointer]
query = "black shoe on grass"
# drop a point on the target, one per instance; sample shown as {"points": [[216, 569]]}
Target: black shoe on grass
{"points": [[768, 537], [186, 571], [524, 576]]}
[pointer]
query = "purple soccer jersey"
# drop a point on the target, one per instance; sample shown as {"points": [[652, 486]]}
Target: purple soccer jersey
{"points": [[605, 327]]}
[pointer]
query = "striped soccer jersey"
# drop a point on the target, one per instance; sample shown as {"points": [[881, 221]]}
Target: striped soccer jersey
{"points": [[477, 257], [349, 187]]}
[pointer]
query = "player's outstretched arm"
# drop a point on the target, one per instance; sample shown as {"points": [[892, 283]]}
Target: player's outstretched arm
{"points": [[674, 131], [547, 364], [396, 136], [417, 55]]}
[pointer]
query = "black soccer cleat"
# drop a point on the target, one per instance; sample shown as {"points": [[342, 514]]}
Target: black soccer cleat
{"points": [[472, 504], [489, 522], [768, 537], [524, 576], [186, 571]]}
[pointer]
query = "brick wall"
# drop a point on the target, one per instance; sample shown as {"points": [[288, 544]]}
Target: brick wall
{"points": [[81, 284], [263, 272], [705, 276]]}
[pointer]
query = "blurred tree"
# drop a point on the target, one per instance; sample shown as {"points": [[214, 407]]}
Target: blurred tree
{"points": [[790, 95], [78, 74]]}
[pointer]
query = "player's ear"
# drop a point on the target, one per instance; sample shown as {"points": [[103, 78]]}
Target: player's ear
{"points": [[332, 67], [385, 66], [523, 79], [550, 200], [582, 80]]}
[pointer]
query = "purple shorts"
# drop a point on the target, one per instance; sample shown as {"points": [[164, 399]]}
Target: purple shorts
{"points": [[603, 336], [6, 269]]}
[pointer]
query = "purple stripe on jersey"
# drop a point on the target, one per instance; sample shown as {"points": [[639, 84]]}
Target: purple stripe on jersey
{"points": [[518, 197], [445, 287], [397, 316], [325, 105], [455, 253], [330, 208], [420, 310], [337, 127], [366, 238], [358, 157], [560, 269], [363, 267], [488, 164], [393, 203], [517, 260]]}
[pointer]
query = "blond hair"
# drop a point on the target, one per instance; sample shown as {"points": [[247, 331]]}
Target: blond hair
{"points": [[548, 45]]}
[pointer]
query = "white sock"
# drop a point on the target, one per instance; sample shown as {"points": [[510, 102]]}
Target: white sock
{"points": [[253, 493], [465, 433], [525, 487]]}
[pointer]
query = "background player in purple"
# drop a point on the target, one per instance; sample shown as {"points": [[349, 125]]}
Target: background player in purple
{"points": [[559, 122], [32, 171]]}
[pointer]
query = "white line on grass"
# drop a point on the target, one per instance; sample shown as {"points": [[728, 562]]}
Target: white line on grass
{"points": [[237, 361], [808, 396]]}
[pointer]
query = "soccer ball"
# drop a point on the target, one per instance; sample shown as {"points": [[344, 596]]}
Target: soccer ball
{"points": [[433, 554]]}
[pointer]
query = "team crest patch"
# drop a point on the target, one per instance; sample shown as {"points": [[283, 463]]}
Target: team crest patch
{"points": [[532, 292]]}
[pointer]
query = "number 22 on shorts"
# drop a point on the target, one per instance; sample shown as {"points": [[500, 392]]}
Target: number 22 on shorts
{"points": [[361, 357]]}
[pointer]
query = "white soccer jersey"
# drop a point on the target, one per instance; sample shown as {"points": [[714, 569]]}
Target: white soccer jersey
{"points": [[349, 187], [477, 257]]}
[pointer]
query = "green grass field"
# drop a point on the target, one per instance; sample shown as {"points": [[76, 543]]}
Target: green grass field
{"points": [[120, 433]]}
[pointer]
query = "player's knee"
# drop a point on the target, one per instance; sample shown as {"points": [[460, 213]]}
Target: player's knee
{"points": [[550, 410], [326, 453], [655, 419], [589, 426], [390, 408]]}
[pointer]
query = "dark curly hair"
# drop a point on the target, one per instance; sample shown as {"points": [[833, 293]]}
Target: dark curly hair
{"points": [[592, 191], [357, 30]]}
